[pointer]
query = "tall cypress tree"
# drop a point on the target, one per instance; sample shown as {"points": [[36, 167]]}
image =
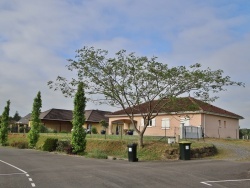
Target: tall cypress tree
{"points": [[35, 121], [78, 140], [4, 124]]}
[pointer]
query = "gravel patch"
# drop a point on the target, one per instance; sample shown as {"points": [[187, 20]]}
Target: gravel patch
{"points": [[234, 151]]}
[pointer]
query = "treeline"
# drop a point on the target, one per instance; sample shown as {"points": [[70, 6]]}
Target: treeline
{"points": [[244, 133]]}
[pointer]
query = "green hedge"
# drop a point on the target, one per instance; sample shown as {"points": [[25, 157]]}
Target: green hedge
{"points": [[50, 144]]}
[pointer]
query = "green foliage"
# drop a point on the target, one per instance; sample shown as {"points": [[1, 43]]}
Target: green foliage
{"points": [[50, 144], [127, 80], [244, 132], [78, 140], [63, 145], [4, 125], [35, 121], [20, 144], [43, 129], [16, 116], [94, 130], [104, 124], [49, 130]]}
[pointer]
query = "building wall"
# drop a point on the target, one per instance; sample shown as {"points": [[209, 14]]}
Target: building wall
{"points": [[67, 126], [59, 126], [220, 127], [157, 130], [229, 127], [96, 125]]}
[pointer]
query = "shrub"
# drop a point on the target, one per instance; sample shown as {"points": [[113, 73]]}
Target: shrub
{"points": [[98, 154], [62, 145], [20, 144], [69, 150], [94, 130], [52, 130], [43, 129], [50, 144]]}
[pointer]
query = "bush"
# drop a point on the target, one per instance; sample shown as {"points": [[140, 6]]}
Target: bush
{"points": [[94, 130], [20, 144], [50, 144], [51, 130], [43, 129], [69, 150], [98, 154], [63, 145]]}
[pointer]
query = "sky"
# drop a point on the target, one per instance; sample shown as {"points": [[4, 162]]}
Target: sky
{"points": [[38, 36]]}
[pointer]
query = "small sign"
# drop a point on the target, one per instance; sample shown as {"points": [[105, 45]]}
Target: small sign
{"points": [[187, 147], [130, 149]]}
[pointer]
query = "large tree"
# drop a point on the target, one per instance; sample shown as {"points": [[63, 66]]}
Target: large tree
{"points": [[126, 81], [33, 134], [78, 140], [4, 124]]}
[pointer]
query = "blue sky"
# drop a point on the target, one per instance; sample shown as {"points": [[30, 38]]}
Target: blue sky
{"points": [[36, 38]]}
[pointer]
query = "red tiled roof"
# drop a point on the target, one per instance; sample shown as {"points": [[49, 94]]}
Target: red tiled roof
{"points": [[178, 105]]}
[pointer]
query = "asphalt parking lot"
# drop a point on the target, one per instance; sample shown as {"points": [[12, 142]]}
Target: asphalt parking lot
{"points": [[31, 168]]}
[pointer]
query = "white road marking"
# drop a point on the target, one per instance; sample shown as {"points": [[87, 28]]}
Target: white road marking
{"points": [[206, 183], [13, 166], [11, 174], [222, 181], [23, 172]]}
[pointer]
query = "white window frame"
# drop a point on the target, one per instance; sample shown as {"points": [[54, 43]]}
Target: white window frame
{"points": [[185, 121], [151, 124], [165, 123]]}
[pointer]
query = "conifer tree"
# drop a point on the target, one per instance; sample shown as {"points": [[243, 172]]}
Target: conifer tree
{"points": [[4, 124], [35, 121], [78, 140]]}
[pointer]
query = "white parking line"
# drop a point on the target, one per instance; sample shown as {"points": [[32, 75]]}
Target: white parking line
{"points": [[222, 181]]}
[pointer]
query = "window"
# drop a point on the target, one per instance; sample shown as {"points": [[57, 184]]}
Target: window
{"points": [[151, 122], [225, 124], [165, 123], [184, 121], [219, 123]]}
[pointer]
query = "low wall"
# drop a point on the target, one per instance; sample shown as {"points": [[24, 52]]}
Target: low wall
{"points": [[195, 152]]}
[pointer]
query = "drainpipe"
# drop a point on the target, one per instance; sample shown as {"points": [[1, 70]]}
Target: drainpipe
{"points": [[204, 124]]}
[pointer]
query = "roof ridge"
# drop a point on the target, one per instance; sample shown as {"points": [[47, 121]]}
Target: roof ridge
{"points": [[91, 111], [46, 113]]}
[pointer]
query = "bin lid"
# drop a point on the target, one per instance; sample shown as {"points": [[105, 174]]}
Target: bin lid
{"points": [[185, 142]]}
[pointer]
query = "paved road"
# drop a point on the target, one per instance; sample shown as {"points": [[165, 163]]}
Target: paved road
{"points": [[30, 168]]}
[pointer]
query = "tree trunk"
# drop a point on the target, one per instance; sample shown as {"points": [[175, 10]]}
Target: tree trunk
{"points": [[140, 140]]}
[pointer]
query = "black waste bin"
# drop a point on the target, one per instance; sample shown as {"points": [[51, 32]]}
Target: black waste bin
{"points": [[132, 152], [185, 150]]}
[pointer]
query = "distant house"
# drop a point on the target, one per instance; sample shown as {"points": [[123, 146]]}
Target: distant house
{"points": [[60, 119], [174, 118]]}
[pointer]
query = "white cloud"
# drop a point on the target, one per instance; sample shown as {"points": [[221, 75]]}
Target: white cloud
{"points": [[38, 36]]}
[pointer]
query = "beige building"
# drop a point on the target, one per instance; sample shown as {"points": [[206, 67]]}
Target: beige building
{"points": [[186, 112], [60, 119]]}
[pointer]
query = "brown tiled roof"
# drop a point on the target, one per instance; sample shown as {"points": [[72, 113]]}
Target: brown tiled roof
{"points": [[67, 115], [25, 120], [57, 114], [178, 105]]}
